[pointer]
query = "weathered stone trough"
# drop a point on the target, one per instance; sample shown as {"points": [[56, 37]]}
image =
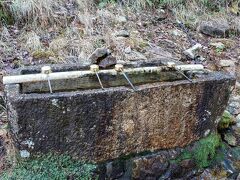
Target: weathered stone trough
{"points": [[97, 125]]}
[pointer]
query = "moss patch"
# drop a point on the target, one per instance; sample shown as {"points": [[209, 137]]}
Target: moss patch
{"points": [[50, 166], [225, 121]]}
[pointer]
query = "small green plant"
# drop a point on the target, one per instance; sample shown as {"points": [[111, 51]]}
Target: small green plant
{"points": [[50, 166]]}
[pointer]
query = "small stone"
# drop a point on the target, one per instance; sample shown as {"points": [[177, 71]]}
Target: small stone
{"points": [[237, 85], [121, 19], [128, 50], [238, 176], [236, 129], [226, 63], [230, 139], [238, 120], [191, 52], [122, 33], [234, 108], [114, 170], [24, 154], [206, 133], [215, 28]]}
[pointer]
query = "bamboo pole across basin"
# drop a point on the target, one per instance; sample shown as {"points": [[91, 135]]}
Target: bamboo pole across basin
{"points": [[16, 79]]}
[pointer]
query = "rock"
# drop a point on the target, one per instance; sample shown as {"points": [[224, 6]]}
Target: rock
{"points": [[154, 165], [180, 171], [114, 170], [108, 62], [128, 50], [236, 130], [238, 177], [24, 154], [230, 139], [238, 118], [159, 168], [98, 55], [235, 98], [238, 121], [121, 19], [122, 33], [174, 171], [206, 175], [226, 63], [191, 52], [237, 85], [234, 108], [215, 28]]}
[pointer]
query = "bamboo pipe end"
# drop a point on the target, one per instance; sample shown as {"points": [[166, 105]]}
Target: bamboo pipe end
{"points": [[94, 68], [46, 70], [118, 67], [171, 64]]}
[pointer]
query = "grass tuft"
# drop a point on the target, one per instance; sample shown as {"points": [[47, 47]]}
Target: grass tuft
{"points": [[5, 15], [204, 153], [206, 150], [31, 41], [42, 12]]}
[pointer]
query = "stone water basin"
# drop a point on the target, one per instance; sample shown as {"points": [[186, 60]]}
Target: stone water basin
{"points": [[96, 125]]}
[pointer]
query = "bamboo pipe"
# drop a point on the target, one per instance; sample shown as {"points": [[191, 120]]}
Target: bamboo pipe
{"points": [[77, 74]]}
